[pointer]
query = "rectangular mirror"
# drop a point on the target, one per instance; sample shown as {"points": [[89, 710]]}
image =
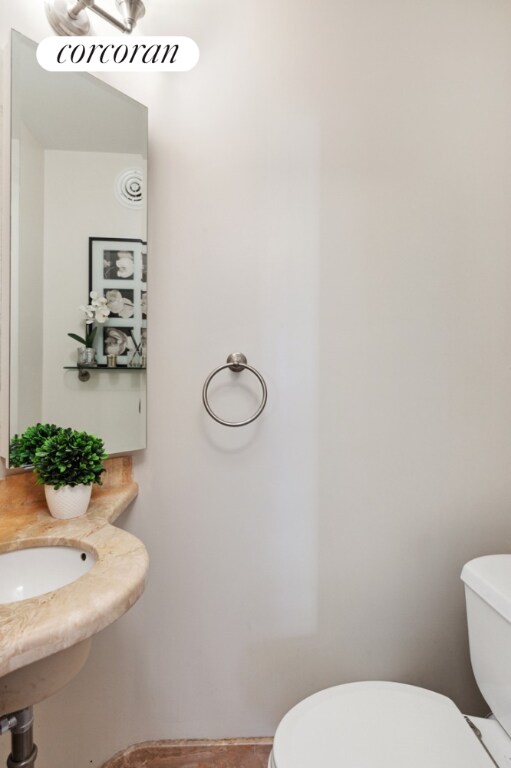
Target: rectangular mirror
{"points": [[78, 222]]}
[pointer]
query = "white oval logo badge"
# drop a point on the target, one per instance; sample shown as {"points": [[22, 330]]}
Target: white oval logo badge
{"points": [[118, 54]]}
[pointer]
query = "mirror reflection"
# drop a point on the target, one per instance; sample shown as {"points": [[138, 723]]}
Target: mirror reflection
{"points": [[78, 254]]}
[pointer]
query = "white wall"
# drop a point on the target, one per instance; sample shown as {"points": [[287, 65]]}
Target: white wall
{"points": [[330, 193], [28, 205]]}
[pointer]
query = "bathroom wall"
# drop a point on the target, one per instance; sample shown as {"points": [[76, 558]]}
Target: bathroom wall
{"points": [[26, 369], [329, 193]]}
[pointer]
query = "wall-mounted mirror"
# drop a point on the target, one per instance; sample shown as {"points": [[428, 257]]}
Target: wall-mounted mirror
{"points": [[78, 159]]}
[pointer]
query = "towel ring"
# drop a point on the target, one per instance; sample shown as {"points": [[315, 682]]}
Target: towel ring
{"points": [[236, 362]]}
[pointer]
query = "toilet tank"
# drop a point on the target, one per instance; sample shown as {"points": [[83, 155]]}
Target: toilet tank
{"points": [[488, 598]]}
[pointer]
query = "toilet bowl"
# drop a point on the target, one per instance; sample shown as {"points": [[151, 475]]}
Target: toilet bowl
{"points": [[392, 725]]}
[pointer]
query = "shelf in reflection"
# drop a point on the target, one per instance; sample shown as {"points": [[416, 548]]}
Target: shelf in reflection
{"points": [[84, 373]]}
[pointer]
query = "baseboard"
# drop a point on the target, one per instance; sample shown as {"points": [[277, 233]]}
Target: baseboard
{"points": [[194, 753]]}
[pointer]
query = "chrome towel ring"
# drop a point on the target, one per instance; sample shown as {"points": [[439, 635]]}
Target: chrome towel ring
{"points": [[236, 362]]}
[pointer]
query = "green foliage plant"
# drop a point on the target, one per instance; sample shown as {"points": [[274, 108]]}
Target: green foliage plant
{"points": [[88, 339], [70, 458], [23, 447]]}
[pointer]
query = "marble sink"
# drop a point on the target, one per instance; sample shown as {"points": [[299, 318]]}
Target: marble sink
{"points": [[45, 636]]}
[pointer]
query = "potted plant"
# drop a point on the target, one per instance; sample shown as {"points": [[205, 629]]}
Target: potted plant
{"points": [[23, 447], [65, 461], [95, 312]]}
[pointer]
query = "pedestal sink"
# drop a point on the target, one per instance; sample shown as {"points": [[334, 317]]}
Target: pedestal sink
{"points": [[61, 582], [32, 572]]}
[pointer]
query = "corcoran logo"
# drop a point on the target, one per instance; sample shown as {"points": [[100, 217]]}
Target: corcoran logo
{"points": [[115, 54]]}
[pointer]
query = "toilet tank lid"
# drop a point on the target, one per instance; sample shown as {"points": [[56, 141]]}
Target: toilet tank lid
{"points": [[490, 578]]}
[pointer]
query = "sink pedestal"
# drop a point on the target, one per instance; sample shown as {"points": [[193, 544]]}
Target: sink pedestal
{"points": [[41, 679]]}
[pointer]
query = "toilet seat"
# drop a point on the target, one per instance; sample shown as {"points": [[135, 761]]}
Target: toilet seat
{"points": [[368, 724]]}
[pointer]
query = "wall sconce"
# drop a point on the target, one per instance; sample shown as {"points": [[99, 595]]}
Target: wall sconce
{"points": [[70, 18]]}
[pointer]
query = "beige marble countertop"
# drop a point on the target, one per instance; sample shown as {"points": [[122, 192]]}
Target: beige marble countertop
{"points": [[38, 627]]}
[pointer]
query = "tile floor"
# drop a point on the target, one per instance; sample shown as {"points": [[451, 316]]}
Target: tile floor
{"points": [[228, 753]]}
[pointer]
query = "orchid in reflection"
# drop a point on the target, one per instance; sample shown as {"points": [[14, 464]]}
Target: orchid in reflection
{"points": [[95, 312]]}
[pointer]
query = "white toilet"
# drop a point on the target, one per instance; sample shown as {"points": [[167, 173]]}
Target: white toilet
{"points": [[390, 725]]}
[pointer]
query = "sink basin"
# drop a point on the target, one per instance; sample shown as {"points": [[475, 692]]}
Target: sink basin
{"points": [[34, 571], [61, 582]]}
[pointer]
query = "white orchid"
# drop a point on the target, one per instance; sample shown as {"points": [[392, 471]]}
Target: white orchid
{"points": [[95, 312]]}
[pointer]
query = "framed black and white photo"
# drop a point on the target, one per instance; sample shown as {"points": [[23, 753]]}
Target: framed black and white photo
{"points": [[118, 271], [120, 302]]}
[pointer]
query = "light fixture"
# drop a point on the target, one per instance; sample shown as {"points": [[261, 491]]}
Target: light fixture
{"points": [[70, 18]]}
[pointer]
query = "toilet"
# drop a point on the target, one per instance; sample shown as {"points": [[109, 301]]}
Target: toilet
{"points": [[376, 724]]}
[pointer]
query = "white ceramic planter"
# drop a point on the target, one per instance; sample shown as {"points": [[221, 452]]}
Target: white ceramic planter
{"points": [[68, 501]]}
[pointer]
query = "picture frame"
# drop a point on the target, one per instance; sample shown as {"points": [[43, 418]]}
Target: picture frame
{"points": [[118, 271]]}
